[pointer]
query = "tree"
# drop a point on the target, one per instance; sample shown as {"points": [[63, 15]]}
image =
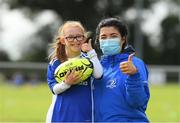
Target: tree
{"points": [[170, 40], [37, 52], [89, 12], [4, 56]]}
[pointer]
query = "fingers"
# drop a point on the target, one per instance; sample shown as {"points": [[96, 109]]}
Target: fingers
{"points": [[72, 73], [77, 77], [68, 73], [124, 66], [73, 77], [86, 46], [127, 67], [130, 56], [89, 42]]}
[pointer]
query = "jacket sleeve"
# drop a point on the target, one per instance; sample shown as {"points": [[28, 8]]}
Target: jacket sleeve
{"points": [[50, 74], [137, 90], [98, 69]]}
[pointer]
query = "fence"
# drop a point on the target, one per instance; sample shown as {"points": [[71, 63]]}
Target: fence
{"points": [[20, 72], [158, 74]]}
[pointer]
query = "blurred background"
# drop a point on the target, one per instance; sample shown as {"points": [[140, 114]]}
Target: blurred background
{"points": [[27, 27]]}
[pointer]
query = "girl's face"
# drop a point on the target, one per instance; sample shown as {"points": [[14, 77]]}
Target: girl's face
{"points": [[110, 32], [73, 38]]}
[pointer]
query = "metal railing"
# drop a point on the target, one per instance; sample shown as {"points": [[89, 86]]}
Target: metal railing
{"points": [[157, 73]]}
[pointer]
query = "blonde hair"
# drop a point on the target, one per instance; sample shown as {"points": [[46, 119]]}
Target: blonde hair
{"points": [[59, 48]]}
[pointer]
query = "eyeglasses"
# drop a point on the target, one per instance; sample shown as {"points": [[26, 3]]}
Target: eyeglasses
{"points": [[72, 38]]}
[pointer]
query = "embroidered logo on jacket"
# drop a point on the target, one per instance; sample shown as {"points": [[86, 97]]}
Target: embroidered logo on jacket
{"points": [[111, 84], [85, 83]]}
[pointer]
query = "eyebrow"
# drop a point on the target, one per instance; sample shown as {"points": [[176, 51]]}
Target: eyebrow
{"points": [[74, 35], [110, 34], [114, 34]]}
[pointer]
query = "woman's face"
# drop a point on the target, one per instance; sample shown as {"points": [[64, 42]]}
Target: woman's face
{"points": [[73, 38], [110, 32]]}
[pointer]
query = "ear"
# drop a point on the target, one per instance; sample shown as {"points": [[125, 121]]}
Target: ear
{"points": [[123, 40]]}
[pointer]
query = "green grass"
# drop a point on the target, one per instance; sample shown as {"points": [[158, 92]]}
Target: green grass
{"points": [[30, 103], [24, 103], [164, 104]]}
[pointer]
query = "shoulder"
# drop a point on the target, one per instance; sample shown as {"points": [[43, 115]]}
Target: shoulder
{"points": [[139, 63], [54, 63], [138, 60], [142, 67], [84, 55]]}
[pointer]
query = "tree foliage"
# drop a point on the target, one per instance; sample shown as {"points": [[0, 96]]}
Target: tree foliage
{"points": [[170, 40], [89, 12], [4, 56]]}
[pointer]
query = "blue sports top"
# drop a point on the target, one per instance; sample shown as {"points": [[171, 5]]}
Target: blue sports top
{"points": [[120, 97], [72, 105]]}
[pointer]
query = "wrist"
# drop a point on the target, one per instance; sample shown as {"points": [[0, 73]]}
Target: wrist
{"points": [[92, 53], [60, 87], [65, 84], [135, 70]]}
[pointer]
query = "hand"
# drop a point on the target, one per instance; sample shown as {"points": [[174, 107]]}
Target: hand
{"points": [[128, 67], [72, 77], [86, 46]]}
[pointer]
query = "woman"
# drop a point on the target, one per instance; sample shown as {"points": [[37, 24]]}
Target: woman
{"points": [[122, 94], [71, 100]]}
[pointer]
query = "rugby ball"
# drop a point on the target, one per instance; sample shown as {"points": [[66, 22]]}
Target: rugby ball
{"points": [[82, 65]]}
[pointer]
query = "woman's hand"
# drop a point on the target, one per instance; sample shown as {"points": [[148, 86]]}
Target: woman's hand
{"points": [[72, 77], [85, 47], [128, 67]]}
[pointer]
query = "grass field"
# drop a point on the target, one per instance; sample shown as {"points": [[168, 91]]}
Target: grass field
{"points": [[30, 103], [164, 104], [24, 103]]}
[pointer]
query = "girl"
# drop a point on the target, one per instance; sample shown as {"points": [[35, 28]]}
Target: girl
{"points": [[71, 100], [122, 94]]}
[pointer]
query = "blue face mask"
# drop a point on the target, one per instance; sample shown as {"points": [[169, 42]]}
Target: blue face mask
{"points": [[110, 46]]}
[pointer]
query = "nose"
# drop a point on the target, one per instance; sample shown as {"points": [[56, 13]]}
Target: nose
{"points": [[75, 39]]}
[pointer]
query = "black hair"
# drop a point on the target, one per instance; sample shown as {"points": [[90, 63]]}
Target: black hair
{"points": [[116, 23]]}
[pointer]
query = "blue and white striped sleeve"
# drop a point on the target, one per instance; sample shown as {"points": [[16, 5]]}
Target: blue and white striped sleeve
{"points": [[50, 74], [54, 86]]}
